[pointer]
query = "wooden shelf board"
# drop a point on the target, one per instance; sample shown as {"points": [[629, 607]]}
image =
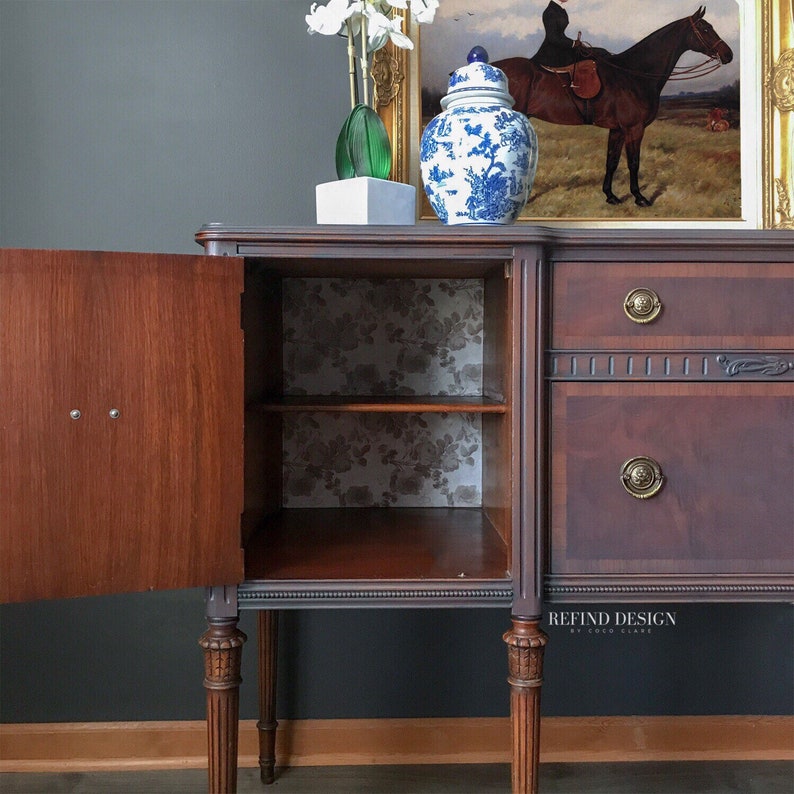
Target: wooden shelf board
{"points": [[376, 544], [372, 404]]}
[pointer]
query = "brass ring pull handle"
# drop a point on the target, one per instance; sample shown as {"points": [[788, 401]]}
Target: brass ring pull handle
{"points": [[642, 477], [642, 305]]}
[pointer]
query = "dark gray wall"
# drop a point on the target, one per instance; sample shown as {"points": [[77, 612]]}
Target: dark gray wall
{"points": [[125, 125]]}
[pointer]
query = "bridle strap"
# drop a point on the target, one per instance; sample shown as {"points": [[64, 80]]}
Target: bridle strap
{"points": [[687, 73], [710, 50]]}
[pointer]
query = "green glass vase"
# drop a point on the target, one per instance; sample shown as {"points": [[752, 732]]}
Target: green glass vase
{"points": [[363, 147]]}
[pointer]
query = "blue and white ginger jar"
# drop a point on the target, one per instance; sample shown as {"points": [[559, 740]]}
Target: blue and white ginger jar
{"points": [[478, 157]]}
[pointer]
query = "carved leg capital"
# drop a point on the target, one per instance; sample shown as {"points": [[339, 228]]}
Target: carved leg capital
{"points": [[526, 642], [222, 644]]}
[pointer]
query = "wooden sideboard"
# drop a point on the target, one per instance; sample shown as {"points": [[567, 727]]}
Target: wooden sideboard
{"points": [[414, 416]]}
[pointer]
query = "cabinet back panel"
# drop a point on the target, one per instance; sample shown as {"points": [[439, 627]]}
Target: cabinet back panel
{"points": [[382, 460], [383, 336], [396, 337], [150, 499]]}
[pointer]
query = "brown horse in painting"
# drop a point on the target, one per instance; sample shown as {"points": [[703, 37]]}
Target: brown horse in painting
{"points": [[628, 102]]}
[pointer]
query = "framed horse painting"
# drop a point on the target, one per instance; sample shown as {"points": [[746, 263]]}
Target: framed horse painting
{"points": [[688, 123]]}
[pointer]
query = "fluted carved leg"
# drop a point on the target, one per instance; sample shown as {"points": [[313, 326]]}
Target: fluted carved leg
{"points": [[525, 644], [223, 645], [268, 656]]}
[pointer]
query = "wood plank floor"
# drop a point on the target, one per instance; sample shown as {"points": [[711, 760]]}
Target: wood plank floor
{"points": [[742, 777]]}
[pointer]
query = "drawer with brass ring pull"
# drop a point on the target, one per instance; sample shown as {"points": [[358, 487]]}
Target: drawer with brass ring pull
{"points": [[687, 478], [672, 306]]}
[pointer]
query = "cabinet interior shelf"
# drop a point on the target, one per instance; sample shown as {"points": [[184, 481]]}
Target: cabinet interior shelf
{"points": [[378, 404], [376, 544]]}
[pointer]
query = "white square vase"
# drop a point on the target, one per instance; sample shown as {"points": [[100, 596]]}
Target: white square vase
{"points": [[365, 200]]}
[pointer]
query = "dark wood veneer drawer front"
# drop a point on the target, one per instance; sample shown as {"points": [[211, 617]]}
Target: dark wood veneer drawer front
{"points": [[741, 306], [726, 452]]}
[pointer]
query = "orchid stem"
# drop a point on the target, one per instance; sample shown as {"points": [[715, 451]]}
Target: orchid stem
{"points": [[351, 65], [364, 60]]}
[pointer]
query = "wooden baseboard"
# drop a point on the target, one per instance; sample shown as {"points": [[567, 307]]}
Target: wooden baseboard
{"points": [[52, 747]]}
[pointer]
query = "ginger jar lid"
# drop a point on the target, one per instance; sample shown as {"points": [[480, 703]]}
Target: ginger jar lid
{"points": [[478, 79]]}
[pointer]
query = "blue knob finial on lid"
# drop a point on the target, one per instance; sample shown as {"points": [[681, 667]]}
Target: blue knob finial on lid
{"points": [[477, 55]]}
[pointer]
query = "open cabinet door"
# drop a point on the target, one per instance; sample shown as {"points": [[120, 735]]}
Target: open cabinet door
{"points": [[121, 422]]}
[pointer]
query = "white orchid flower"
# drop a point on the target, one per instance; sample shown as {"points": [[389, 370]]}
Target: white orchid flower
{"points": [[423, 11], [371, 22], [382, 29], [331, 19]]}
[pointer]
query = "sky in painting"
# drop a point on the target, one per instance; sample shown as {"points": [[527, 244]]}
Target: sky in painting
{"points": [[513, 27]]}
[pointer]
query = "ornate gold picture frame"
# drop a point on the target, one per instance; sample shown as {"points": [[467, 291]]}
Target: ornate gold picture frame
{"points": [[768, 181], [777, 102]]}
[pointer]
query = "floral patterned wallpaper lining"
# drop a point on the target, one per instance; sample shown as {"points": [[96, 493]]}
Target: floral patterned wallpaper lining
{"points": [[397, 337]]}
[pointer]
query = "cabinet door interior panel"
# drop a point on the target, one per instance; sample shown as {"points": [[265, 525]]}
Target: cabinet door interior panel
{"points": [[726, 454], [120, 447], [702, 306]]}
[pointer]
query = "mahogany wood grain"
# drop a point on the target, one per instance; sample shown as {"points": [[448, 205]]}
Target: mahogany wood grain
{"points": [[464, 243], [501, 311], [222, 644], [704, 305], [498, 333], [267, 626], [529, 489], [726, 451], [150, 499], [526, 642], [719, 292], [382, 262], [261, 309], [376, 544], [262, 324]]}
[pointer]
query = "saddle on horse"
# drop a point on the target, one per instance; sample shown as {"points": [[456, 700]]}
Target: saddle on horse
{"points": [[583, 75]]}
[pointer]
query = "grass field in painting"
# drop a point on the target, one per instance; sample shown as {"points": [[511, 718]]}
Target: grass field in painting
{"points": [[685, 170]]}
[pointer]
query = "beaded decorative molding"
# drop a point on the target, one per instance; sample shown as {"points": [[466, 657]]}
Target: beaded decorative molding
{"points": [[663, 365], [250, 594]]}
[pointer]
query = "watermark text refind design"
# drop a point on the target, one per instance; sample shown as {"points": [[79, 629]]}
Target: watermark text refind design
{"points": [[617, 622]]}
